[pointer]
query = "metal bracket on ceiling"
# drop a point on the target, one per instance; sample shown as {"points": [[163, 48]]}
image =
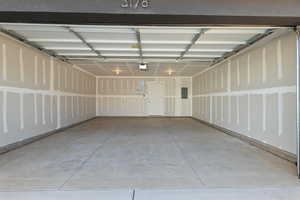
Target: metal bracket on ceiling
{"points": [[85, 42], [138, 38], [193, 41]]}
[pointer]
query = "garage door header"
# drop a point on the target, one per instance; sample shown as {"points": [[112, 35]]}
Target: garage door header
{"points": [[254, 12]]}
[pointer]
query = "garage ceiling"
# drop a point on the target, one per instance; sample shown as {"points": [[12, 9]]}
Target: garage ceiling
{"points": [[112, 50]]}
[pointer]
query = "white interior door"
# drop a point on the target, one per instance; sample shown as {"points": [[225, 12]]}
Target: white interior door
{"points": [[155, 98]]}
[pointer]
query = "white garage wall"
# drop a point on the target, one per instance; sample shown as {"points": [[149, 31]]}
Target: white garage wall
{"points": [[122, 96], [39, 93], [253, 93]]}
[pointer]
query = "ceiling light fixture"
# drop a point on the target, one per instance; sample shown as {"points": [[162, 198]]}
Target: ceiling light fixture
{"points": [[170, 72], [117, 71], [143, 67]]}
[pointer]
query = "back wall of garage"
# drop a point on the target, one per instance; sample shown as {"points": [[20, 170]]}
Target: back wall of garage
{"points": [[127, 96]]}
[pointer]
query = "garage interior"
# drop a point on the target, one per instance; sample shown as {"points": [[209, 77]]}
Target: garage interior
{"points": [[110, 124]]}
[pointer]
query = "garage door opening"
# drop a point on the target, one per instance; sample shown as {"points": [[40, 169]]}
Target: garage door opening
{"points": [[153, 103]]}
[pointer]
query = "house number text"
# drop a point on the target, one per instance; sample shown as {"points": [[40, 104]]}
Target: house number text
{"points": [[135, 4]]}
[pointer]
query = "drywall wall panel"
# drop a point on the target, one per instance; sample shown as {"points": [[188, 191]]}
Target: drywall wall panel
{"points": [[287, 130], [63, 111], [226, 111], [243, 72], [196, 105], [37, 92], [257, 67], [12, 52], [28, 59], [289, 62], [13, 117], [256, 117], [45, 67], [56, 77], [259, 99], [29, 115], [234, 67], [2, 113], [121, 106], [243, 117], [234, 113], [208, 109], [218, 113], [38, 112], [46, 111], [271, 120], [2, 61], [272, 64]]}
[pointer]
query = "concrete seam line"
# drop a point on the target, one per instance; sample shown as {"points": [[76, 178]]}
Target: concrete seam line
{"points": [[181, 150], [85, 161]]}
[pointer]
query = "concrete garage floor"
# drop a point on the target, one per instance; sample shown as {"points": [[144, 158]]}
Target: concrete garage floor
{"points": [[142, 153]]}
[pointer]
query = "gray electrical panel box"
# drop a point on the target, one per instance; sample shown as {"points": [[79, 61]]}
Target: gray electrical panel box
{"points": [[184, 93]]}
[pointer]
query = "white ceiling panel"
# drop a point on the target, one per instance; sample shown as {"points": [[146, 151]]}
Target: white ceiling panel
{"points": [[85, 29], [161, 54], [112, 41], [33, 27], [55, 46], [119, 54], [166, 37], [236, 31], [106, 50], [226, 37], [164, 46], [110, 36], [213, 46], [160, 30], [32, 35]]}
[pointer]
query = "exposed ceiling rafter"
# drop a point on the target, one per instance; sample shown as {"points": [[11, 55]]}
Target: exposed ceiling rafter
{"points": [[138, 37], [84, 41], [194, 40]]}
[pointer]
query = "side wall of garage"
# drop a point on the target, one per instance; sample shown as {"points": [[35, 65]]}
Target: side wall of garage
{"points": [[253, 94], [119, 96], [39, 93]]}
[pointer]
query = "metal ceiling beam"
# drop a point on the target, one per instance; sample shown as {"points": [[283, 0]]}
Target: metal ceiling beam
{"points": [[239, 48], [194, 40], [84, 41], [138, 37]]}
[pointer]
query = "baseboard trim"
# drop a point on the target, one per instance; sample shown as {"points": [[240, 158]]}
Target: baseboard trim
{"points": [[266, 147], [30, 140]]}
